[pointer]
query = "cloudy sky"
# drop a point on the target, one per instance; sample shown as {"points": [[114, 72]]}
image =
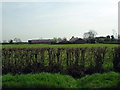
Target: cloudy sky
{"points": [[60, 18]]}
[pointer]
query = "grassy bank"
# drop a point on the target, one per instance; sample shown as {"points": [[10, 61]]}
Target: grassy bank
{"points": [[47, 80]]}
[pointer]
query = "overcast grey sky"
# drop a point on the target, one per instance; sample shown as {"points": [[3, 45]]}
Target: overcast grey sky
{"points": [[34, 20]]}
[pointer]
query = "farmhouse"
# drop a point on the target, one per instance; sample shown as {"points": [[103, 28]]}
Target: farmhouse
{"points": [[76, 40], [40, 41]]}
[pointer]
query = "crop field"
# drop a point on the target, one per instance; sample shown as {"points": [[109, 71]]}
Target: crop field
{"points": [[56, 46]]}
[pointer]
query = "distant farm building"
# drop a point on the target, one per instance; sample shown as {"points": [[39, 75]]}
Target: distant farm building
{"points": [[40, 41], [76, 40]]}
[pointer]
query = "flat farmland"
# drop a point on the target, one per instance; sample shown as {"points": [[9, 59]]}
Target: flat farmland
{"points": [[57, 45]]}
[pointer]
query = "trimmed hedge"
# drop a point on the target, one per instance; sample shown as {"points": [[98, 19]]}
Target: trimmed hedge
{"points": [[73, 61]]}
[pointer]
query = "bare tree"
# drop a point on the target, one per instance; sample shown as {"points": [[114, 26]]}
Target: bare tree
{"points": [[59, 39], [10, 41], [54, 39], [90, 34], [64, 39], [17, 40]]}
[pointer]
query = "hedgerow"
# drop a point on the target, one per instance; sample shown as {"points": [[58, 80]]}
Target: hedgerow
{"points": [[73, 61]]}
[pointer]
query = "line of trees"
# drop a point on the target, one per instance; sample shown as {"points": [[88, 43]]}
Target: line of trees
{"points": [[56, 40], [90, 37]]}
